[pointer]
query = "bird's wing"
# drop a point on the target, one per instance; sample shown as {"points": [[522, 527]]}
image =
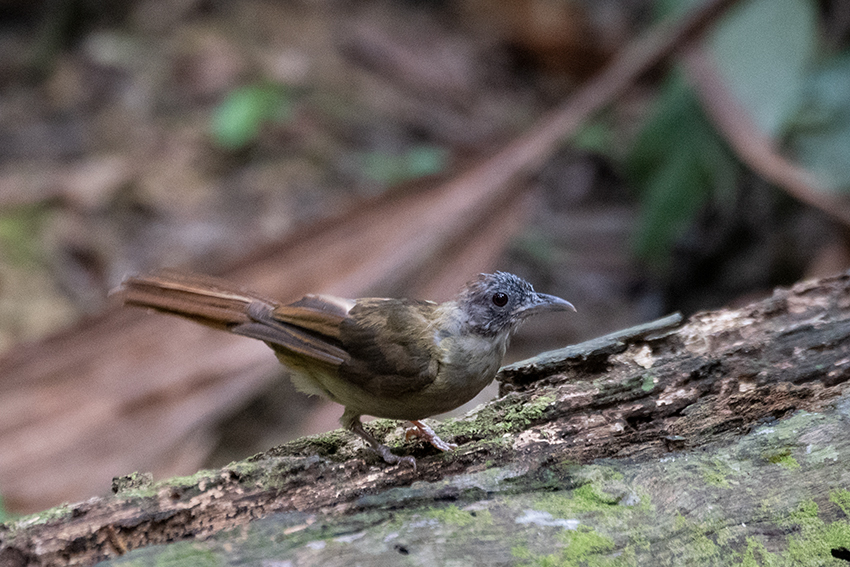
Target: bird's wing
{"points": [[390, 345], [308, 328], [383, 346], [321, 314]]}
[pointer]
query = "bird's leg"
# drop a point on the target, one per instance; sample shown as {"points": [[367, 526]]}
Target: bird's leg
{"points": [[425, 433], [352, 423]]}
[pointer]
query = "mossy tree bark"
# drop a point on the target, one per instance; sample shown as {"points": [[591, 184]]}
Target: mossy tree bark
{"points": [[721, 441]]}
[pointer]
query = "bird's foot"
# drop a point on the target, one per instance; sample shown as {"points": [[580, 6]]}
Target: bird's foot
{"points": [[384, 451], [425, 433], [391, 458]]}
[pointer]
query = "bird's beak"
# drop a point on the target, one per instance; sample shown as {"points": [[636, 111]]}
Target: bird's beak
{"points": [[543, 302]]}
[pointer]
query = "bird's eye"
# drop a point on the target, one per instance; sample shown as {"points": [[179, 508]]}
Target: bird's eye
{"points": [[500, 299]]}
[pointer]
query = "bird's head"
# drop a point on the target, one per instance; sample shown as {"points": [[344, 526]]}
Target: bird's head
{"points": [[497, 303]]}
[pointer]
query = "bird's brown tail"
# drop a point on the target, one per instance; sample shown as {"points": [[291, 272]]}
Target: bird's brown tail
{"points": [[203, 299]]}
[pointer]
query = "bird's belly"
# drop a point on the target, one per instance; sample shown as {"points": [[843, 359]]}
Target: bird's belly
{"points": [[459, 379], [452, 388], [420, 405], [470, 365]]}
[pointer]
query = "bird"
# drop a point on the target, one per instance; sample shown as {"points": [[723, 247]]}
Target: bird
{"points": [[402, 359]]}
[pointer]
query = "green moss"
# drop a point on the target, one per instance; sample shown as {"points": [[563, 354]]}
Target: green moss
{"points": [[639, 541], [789, 462], [182, 486], [489, 425], [583, 543], [521, 552], [602, 504], [265, 473], [648, 382], [327, 444], [584, 499], [788, 430], [757, 555], [704, 543], [705, 548], [805, 512], [593, 497], [503, 416], [812, 539], [51, 514], [602, 501], [529, 559], [178, 554], [781, 457], [809, 541], [584, 546], [841, 498], [454, 516], [132, 481], [520, 415], [135, 485], [600, 495], [270, 473], [715, 472]]}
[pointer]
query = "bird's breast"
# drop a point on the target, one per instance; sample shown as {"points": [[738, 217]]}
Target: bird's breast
{"points": [[469, 362]]}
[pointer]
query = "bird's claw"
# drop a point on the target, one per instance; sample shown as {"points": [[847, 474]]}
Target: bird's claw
{"points": [[425, 433], [391, 458]]}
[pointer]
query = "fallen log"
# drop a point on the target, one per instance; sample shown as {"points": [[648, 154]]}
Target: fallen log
{"points": [[718, 439]]}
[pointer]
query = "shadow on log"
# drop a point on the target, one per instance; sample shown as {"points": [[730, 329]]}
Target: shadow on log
{"points": [[719, 440]]}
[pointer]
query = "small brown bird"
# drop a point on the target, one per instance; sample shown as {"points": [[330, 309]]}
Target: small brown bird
{"points": [[393, 358]]}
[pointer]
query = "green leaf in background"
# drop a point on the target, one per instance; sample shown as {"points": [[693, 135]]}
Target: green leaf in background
{"points": [[679, 163], [416, 162], [595, 136], [20, 233], [764, 50], [820, 137], [237, 121]]}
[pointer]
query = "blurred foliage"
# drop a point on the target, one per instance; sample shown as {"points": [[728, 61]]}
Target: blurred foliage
{"points": [[20, 230], [820, 135], [390, 168], [239, 118], [595, 136], [4, 515], [678, 163], [765, 51]]}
